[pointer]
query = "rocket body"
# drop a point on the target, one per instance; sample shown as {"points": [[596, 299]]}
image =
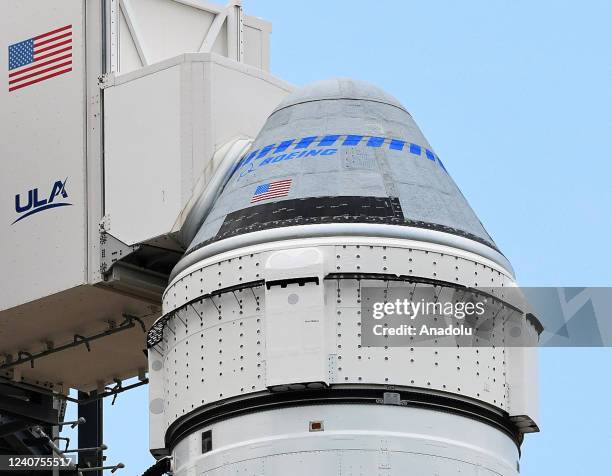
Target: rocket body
{"points": [[258, 365]]}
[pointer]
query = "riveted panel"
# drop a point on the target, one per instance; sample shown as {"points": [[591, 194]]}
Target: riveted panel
{"points": [[438, 367], [219, 316], [213, 349]]}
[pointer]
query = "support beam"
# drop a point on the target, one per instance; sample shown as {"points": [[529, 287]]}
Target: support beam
{"points": [[36, 408], [90, 433], [231, 10], [129, 16]]}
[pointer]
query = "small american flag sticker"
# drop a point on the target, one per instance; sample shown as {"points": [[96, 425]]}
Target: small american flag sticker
{"points": [[41, 57], [278, 188]]}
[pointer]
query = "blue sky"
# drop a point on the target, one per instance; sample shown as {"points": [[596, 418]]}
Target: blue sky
{"points": [[515, 96]]}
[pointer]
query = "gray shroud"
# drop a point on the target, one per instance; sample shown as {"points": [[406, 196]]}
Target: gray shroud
{"points": [[340, 151]]}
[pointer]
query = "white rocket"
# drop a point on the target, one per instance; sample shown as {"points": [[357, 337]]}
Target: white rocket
{"points": [[257, 365], [126, 148]]}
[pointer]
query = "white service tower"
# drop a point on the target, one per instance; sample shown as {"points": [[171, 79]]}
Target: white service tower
{"points": [[257, 365]]}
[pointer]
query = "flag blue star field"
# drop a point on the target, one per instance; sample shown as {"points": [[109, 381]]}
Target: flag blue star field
{"points": [[278, 188], [41, 57]]}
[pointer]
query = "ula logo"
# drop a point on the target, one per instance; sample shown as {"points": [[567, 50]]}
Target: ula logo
{"points": [[36, 203]]}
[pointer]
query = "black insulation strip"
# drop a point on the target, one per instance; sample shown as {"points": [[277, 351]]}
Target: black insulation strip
{"points": [[321, 210]]}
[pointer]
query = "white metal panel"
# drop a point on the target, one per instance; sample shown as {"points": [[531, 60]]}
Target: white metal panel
{"points": [[163, 125], [356, 440], [295, 330], [257, 42], [295, 318], [142, 155], [523, 381], [240, 99], [95, 44], [43, 126]]}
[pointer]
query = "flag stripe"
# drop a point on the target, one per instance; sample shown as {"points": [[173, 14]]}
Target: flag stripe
{"points": [[68, 48], [19, 86], [52, 32], [31, 75], [50, 47], [280, 182], [49, 40], [39, 65], [267, 197], [272, 190]]}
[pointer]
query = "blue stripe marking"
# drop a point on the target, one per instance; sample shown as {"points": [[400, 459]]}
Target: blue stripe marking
{"points": [[250, 157], [305, 142], [397, 144], [375, 141], [328, 140], [352, 140], [284, 145], [265, 150]]}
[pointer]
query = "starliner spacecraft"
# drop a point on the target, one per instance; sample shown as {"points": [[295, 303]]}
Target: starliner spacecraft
{"points": [[257, 365], [168, 194]]}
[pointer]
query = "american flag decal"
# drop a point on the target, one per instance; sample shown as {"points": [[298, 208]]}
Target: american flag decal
{"points": [[279, 188], [42, 57]]}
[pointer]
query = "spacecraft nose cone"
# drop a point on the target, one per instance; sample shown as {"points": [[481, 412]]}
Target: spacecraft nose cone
{"points": [[341, 157], [339, 88]]}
